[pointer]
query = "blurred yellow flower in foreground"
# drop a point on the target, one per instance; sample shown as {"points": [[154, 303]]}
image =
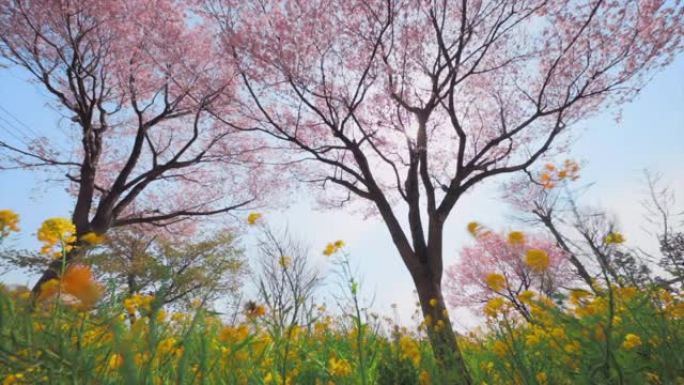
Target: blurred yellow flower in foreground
{"points": [[493, 306], [9, 221], [495, 281], [537, 260], [76, 287], [516, 237], [526, 296], [57, 232]]}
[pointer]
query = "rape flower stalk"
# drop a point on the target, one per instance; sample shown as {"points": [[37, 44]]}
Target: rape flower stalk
{"points": [[568, 341], [357, 319]]}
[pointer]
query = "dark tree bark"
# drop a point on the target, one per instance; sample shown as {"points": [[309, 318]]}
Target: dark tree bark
{"points": [[439, 327]]}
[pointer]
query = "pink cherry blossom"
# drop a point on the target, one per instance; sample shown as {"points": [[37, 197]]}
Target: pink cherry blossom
{"points": [[465, 281]]}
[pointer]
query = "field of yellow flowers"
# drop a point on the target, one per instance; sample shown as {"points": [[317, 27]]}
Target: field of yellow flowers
{"points": [[76, 332]]}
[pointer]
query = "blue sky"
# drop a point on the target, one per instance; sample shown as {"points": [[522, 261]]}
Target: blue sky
{"points": [[649, 136]]}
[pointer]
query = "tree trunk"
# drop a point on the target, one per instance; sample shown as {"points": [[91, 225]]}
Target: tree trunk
{"points": [[440, 332]]}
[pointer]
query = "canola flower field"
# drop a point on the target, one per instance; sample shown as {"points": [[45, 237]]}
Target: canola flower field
{"points": [[76, 331]]}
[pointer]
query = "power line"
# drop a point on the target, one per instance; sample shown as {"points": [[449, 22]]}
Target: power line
{"points": [[33, 131], [30, 134], [14, 135], [15, 131]]}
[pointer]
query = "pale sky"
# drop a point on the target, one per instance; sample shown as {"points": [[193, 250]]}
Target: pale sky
{"points": [[614, 155]]}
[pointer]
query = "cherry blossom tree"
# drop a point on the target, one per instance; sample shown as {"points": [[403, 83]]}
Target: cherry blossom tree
{"points": [[496, 266], [407, 105], [140, 81]]}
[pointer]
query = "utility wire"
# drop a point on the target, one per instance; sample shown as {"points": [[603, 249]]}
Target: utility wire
{"points": [[31, 130], [14, 135], [29, 134]]}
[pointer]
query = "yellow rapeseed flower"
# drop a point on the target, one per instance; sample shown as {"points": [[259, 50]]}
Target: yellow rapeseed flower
{"points": [[499, 348], [136, 301], [558, 333], [339, 367], [536, 336], [473, 228], [166, 346], [424, 378], [141, 359], [409, 349], [542, 378], [631, 341], [537, 260], [516, 237], [495, 281], [161, 316], [614, 238], [233, 335], [572, 347], [93, 238], [653, 378], [493, 306], [526, 296], [9, 221], [329, 250], [487, 366], [333, 247], [179, 317], [253, 218], [578, 295], [284, 261], [57, 232], [130, 305], [115, 361], [13, 379]]}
